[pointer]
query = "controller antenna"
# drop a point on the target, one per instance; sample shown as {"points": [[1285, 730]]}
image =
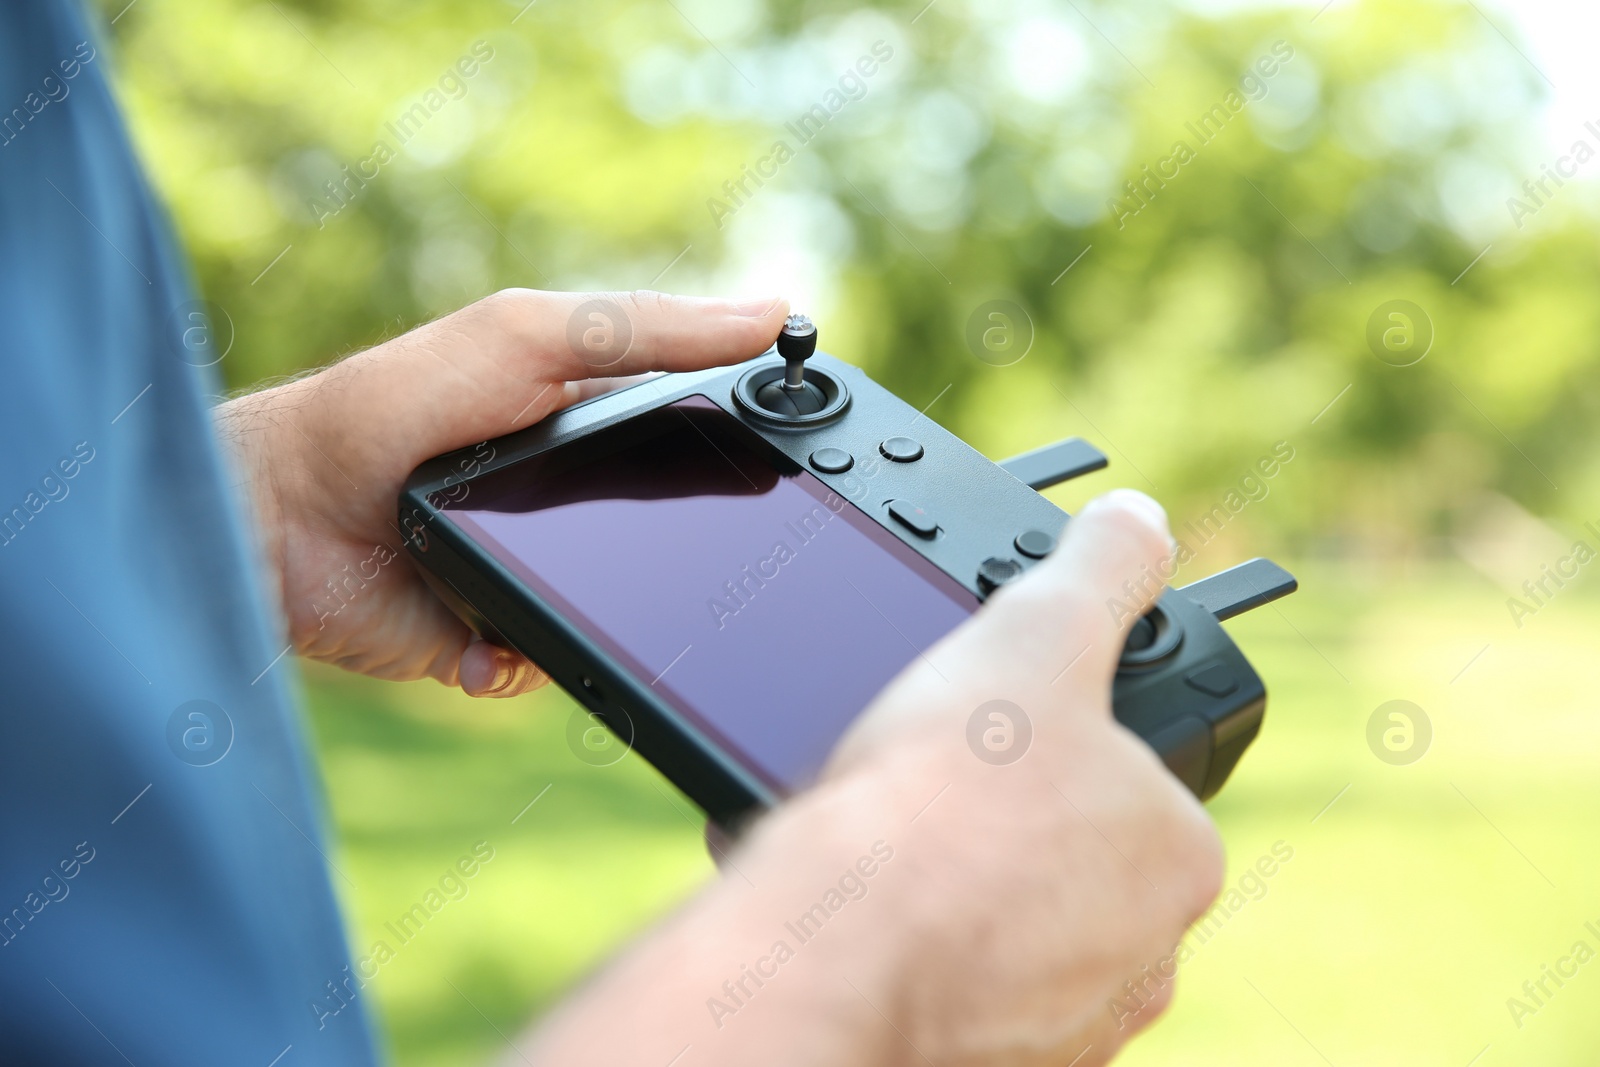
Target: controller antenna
{"points": [[796, 343]]}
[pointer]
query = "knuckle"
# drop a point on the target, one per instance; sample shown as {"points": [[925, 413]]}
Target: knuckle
{"points": [[1203, 861], [508, 310], [502, 300], [649, 302]]}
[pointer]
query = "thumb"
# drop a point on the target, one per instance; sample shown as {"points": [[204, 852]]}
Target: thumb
{"points": [[1049, 640], [511, 359], [1071, 615]]}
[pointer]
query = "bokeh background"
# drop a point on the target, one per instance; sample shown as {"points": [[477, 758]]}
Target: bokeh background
{"points": [[1440, 459]]}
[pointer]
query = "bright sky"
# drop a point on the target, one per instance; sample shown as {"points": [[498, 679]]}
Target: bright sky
{"points": [[1558, 37]]}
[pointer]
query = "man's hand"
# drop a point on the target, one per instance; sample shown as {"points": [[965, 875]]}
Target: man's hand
{"points": [[325, 456], [1028, 913]]}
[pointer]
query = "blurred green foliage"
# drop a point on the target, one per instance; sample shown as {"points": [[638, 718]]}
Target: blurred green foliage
{"points": [[1220, 318], [980, 163]]}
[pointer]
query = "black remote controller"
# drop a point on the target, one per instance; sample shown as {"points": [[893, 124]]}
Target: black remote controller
{"points": [[597, 542]]}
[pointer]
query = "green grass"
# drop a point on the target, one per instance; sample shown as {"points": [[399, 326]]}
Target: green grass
{"points": [[1413, 908], [416, 776]]}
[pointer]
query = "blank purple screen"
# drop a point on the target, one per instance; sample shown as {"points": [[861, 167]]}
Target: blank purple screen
{"points": [[763, 606]]}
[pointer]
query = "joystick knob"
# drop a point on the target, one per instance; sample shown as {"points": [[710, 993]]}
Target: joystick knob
{"points": [[793, 394], [796, 343]]}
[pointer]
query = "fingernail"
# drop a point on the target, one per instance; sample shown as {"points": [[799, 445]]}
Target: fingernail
{"points": [[1153, 514], [757, 309], [504, 670]]}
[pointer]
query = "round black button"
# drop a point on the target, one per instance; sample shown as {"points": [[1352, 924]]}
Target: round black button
{"points": [[1035, 544], [995, 572], [901, 449], [832, 460]]}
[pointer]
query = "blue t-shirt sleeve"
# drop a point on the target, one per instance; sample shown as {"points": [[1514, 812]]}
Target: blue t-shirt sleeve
{"points": [[164, 897]]}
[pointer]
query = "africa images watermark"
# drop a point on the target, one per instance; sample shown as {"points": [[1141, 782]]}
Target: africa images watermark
{"points": [[1536, 992], [742, 590], [54, 488], [1553, 577], [1253, 487], [200, 732], [852, 85], [1399, 732], [344, 587], [53, 889], [1251, 886], [53, 88], [999, 732], [451, 886], [851, 886], [1142, 192], [1537, 192], [452, 85]]}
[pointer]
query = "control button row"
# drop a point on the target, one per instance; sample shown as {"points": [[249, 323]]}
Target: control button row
{"points": [[837, 460], [994, 571]]}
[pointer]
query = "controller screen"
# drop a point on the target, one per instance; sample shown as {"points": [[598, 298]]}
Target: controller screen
{"points": [[764, 607]]}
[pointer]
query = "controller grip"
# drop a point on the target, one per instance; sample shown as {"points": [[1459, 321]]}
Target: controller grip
{"points": [[1187, 690]]}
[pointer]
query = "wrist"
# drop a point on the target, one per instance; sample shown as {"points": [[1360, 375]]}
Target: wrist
{"points": [[867, 905], [254, 445]]}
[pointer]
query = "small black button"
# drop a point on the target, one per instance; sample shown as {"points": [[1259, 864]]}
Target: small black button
{"points": [[911, 516], [995, 572], [1216, 680], [1035, 543], [832, 460], [901, 450]]}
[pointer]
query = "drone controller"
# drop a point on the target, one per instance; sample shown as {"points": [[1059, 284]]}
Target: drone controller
{"points": [[726, 566]]}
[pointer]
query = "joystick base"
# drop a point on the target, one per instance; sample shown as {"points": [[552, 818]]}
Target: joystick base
{"points": [[762, 392], [778, 399]]}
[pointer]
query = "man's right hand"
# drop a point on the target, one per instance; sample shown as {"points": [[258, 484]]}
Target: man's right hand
{"points": [[1022, 898], [1052, 882]]}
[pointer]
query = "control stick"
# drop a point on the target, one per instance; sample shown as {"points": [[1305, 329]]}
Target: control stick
{"points": [[793, 394]]}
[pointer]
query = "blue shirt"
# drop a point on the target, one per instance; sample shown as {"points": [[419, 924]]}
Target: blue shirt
{"points": [[164, 897]]}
